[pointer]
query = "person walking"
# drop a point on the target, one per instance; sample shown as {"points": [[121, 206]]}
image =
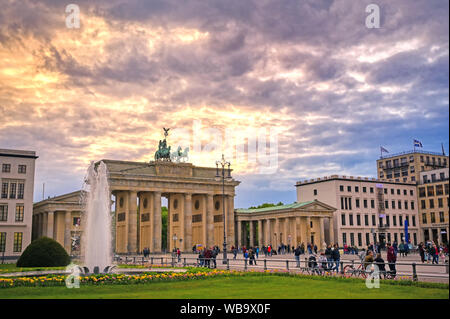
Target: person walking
{"points": [[435, 254], [422, 252], [379, 261], [252, 257], [257, 252], [328, 253], [179, 254], [297, 253], [391, 259], [336, 257], [214, 254]]}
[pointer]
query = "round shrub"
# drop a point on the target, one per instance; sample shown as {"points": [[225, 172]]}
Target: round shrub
{"points": [[44, 252]]}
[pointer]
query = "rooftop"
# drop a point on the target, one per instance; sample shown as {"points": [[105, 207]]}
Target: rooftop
{"points": [[412, 152], [349, 178], [17, 153], [273, 208]]}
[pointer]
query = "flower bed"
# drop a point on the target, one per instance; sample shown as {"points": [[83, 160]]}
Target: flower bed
{"points": [[191, 274]]}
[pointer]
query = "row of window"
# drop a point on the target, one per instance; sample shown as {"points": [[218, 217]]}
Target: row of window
{"points": [[369, 240], [4, 212], [17, 246], [381, 222], [440, 203], [346, 204], [432, 190], [403, 161], [433, 218], [371, 189], [21, 169], [12, 190], [433, 178]]}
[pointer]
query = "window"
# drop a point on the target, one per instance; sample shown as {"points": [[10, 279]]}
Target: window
{"points": [[341, 188], [406, 204], [394, 220], [359, 239], [3, 212], [400, 220], [367, 239], [358, 220], [175, 218], [19, 213], [22, 169], [343, 219], [20, 191], [366, 220], [411, 192], [364, 190], [121, 217], [446, 186], [175, 203], [357, 203], [145, 217], [218, 218], [398, 192], [431, 203], [311, 224], [396, 237], [18, 242], [405, 192], [365, 203], [424, 218], [4, 190], [349, 188], [6, 168], [197, 218], [350, 219], [385, 190], [399, 204], [371, 190], [413, 220], [12, 190], [433, 217], [217, 205], [393, 204], [342, 202], [76, 221], [356, 189], [412, 205], [386, 204], [440, 203], [430, 191], [2, 241], [388, 222], [197, 204], [315, 192], [372, 203], [439, 190], [344, 238], [441, 217], [374, 222], [352, 239], [392, 191]]}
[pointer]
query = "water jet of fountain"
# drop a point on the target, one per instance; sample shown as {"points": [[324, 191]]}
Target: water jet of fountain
{"points": [[97, 237]]}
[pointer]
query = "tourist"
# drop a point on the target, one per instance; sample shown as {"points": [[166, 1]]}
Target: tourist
{"points": [[328, 253], [435, 254], [391, 259], [323, 263], [336, 257], [257, 252], [401, 248], [269, 250], [207, 256], [179, 254], [312, 264], [368, 260], [235, 251], [379, 261], [201, 258], [395, 247], [422, 252], [315, 249], [252, 257], [297, 253], [214, 254]]}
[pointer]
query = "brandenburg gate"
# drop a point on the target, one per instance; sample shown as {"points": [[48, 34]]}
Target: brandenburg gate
{"points": [[195, 199]]}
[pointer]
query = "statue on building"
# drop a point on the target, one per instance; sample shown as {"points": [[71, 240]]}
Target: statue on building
{"points": [[163, 152]]}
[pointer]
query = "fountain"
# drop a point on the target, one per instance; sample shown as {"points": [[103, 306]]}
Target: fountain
{"points": [[97, 237]]}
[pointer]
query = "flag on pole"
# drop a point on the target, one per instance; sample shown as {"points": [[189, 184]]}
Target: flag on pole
{"points": [[382, 149], [417, 143]]}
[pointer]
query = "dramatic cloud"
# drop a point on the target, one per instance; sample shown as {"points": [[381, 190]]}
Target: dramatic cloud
{"points": [[332, 88]]}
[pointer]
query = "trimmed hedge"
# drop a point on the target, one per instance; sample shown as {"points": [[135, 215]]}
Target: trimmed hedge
{"points": [[44, 252]]}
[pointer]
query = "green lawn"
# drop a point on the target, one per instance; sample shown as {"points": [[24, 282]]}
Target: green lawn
{"points": [[251, 287], [5, 268]]}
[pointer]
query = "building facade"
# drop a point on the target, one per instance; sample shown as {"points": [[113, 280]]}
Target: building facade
{"points": [[368, 210], [16, 201], [59, 218], [433, 195], [407, 166], [290, 224]]}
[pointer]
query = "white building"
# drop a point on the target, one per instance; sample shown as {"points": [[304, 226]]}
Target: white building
{"points": [[368, 210], [16, 201]]}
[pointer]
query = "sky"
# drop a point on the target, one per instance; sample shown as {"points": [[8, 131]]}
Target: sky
{"points": [[306, 81]]}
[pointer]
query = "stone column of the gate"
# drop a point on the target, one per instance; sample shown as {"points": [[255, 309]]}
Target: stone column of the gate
{"points": [[210, 220], [252, 234], [187, 222], [157, 222], [230, 221], [204, 221], [132, 222], [260, 233]]}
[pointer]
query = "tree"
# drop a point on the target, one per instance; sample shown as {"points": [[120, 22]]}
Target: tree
{"points": [[44, 252]]}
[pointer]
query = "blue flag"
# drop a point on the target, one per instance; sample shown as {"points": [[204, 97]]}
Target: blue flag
{"points": [[417, 143], [406, 232], [382, 149]]}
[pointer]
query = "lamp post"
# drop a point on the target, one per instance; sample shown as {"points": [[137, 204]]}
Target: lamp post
{"points": [[222, 176]]}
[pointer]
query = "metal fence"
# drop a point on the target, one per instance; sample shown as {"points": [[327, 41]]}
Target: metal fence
{"points": [[412, 270]]}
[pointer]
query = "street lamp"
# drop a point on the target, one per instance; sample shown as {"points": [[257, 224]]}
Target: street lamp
{"points": [[218, 177]]}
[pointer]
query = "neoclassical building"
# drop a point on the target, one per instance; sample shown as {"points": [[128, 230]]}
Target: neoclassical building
{"points": [[291, 224], [59, 218]]}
